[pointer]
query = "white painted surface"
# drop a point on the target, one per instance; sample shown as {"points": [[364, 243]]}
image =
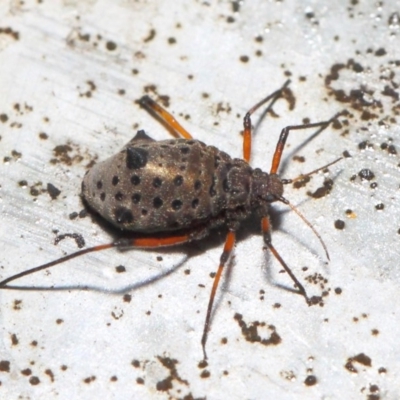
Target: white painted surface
{"points": [[95, 333]]}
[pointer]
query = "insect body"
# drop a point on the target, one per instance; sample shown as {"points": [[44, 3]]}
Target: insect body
{"points": [[175, 191], [160, 186]]}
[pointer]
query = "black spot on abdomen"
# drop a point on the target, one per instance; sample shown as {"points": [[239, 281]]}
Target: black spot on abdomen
{"points": [[157, 202], [136, 198], [176, 205], [135, 180], [184, 150], [225, 185], [178, 180], [195, 203], [157, 182], [212, 190], [123, 215], [136, 157]]}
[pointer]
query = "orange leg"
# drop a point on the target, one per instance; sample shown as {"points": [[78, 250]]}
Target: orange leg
{"points": [[266, 230], [151, 242], [282, 140], [247, 120], [165, 116], [229, 244]]}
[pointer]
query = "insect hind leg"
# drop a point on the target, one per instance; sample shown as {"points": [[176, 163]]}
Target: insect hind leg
{"points": [[140, 242], [228, 248]]}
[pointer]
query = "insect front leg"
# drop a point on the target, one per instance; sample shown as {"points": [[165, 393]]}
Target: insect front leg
{"points": [[247, 119], [285, 133], [167, 118]]}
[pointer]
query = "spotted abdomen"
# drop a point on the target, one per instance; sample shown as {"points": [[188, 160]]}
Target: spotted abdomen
{"points": [[154, 186]]}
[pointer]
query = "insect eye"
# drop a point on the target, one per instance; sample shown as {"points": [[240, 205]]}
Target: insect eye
{"points": [[270, 198]]}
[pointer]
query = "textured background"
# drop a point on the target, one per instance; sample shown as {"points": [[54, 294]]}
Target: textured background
{"points": [[70, 72]]}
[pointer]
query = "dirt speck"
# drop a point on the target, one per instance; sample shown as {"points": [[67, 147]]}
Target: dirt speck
{"points": [[380, 52], [127, 298], [300, 159], [50, 374], [10, 32], [4, 366], [301, 181], [53, 191], [250, 332], [110, 45], [14, 339], [361, 358], [17, 305], [205, 374], [167, 383], [135, 363], [366, 174], [339, 224], [150, 36], [26, 372], [202, 364], [120, 269], [34, 380], [311, 380], [80, 241], [323, 190], [382, 370], [89, 379]]}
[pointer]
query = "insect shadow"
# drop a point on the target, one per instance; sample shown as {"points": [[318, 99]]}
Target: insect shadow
{"points": [[121, 290], [172, 192]]}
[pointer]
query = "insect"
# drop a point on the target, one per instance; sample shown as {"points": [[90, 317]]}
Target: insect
{"points": [[175, 191]]}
